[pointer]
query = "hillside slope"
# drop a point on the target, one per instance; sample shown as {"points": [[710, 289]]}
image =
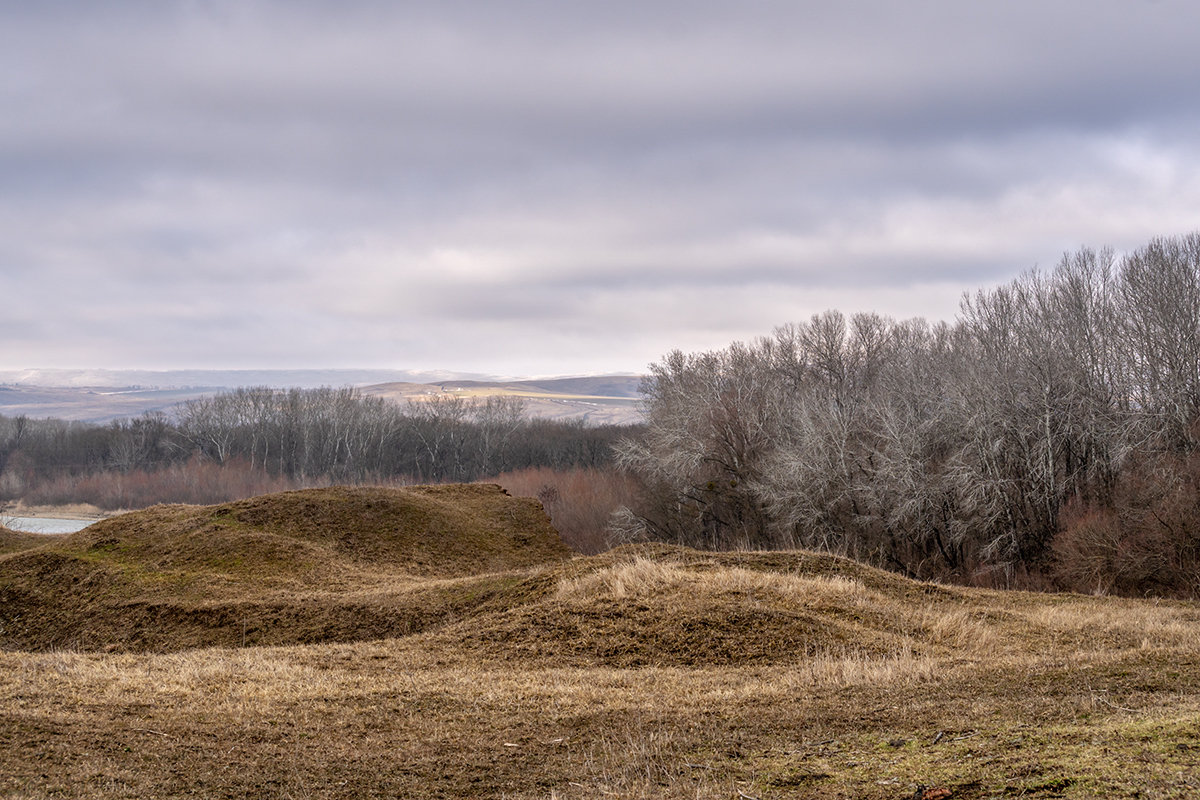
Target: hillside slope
{"points": [[14, 541], [472, 572], [333, 564]]}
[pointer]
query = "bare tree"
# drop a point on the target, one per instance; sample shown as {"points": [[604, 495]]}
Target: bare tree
{"points": [[933, 449]]}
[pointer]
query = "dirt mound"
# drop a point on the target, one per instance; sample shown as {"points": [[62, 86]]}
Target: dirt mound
{"points": [[468, 573], [420, 530], [335, 564], [659, 605]]}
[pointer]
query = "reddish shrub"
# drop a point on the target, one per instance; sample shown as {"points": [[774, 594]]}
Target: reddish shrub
{"points": [[1146, 543], [579, 501], [1086, 550]]}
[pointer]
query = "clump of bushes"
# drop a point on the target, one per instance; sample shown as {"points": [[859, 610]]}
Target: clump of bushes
{"points": [[580, 501], [1146, 541]]}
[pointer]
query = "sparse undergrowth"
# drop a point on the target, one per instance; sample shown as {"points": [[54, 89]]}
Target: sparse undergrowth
{"points": [[648, 671]]}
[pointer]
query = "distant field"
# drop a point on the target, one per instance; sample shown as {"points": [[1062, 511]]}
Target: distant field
{"points": [[468, 655], [91, 404], [501, 391], [609, 399], [605, 400]]}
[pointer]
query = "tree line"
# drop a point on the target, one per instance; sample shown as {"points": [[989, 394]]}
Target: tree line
{"points": [[304, 436], [1051, 433]]}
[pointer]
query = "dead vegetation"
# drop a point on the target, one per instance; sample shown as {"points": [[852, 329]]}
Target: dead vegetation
{"points": [[13, 541], [580, 500], [647, 671], [317, 565]]}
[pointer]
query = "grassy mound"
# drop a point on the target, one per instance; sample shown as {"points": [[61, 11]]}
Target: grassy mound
{"points": [[317, 565], [671, 606], [664, 606], [15, 541], [472, 574], [419, 530], [648, 671]]}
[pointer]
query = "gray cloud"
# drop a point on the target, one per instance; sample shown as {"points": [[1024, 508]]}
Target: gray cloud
{"points": [[536, 187]]}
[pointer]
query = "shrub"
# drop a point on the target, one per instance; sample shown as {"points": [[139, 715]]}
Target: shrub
{"points": [[580, 501], [1147, 542]]}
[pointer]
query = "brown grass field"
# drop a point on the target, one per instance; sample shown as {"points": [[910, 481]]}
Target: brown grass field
{"points": [[441, 642], [560, 399]]}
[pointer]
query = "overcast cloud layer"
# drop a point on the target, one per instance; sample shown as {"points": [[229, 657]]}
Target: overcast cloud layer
{"points": [[552, 187]]}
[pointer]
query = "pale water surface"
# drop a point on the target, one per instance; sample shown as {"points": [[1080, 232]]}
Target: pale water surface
{"points": [[45, 524]]}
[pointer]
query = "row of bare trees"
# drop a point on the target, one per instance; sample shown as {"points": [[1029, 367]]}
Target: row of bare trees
{"points": [[939, 449], [306, 436]]}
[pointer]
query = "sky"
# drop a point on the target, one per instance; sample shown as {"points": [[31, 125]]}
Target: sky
{"points": [[550, 187]]}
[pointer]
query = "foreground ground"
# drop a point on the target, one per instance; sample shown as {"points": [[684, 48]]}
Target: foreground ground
{"points": [[645, 672], [390, 720]]}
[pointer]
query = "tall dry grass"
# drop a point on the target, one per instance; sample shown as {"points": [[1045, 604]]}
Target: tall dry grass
{"points": [[640, 577]]}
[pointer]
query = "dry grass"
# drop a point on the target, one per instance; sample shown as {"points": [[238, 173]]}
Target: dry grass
{"points": [[648, 671], [389, 719], [1144, 624], [15, 541], [317, 565], [642, 576]]}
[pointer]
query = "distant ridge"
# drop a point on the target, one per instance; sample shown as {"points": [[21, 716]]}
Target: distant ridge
{"points": [[104, 395], [596, 399], [224, 379], [593, 385]]}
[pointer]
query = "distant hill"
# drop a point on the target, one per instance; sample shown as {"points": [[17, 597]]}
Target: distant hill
{"points": [[607, 386], [602, 399], [103, 395], [220, 378]]}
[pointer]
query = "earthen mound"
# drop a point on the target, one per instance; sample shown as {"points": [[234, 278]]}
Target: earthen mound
{"points": [[338, 564]]}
